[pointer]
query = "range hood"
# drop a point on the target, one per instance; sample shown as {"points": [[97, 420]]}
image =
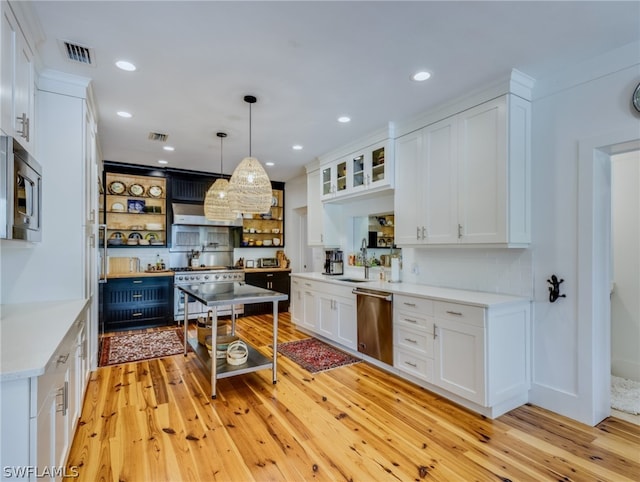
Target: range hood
{"points": [[193, 215]]}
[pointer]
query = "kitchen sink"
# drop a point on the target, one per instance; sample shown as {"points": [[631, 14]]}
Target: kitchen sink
{"points": [[353, 280]]}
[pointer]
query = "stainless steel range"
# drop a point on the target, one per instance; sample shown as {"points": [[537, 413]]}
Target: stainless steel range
{"points": [[199, 275]]}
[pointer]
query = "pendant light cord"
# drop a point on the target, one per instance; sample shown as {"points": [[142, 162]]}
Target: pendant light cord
{"points": [[221, 135], [249, 130]]}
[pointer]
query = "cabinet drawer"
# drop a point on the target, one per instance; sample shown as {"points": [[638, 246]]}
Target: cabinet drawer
{"points": [[144, 295], [473, 315], [409, 318], [416, 365], [136, 313], [128, 283], [417, 340], [410, 303]]}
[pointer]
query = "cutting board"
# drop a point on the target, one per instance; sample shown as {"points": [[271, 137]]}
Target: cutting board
{"points": [[120, 265]]}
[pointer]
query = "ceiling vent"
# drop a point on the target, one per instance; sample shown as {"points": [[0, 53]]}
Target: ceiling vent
{"points": [[78, 53], [156, 136]]}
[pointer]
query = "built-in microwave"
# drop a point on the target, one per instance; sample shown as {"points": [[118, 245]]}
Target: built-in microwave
{"points": [[20, 193]]}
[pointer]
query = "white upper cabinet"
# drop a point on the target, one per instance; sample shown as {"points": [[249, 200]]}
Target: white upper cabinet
{"points": [[466, 179], [18, 82], [361, 171]]}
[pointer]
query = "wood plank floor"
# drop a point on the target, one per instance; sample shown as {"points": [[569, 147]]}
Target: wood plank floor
{"points": [[155, 421]]}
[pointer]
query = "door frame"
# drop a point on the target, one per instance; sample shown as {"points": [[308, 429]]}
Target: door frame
{"points": [[594, 270]]}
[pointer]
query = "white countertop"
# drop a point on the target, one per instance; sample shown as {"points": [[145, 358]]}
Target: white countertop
{"points": [[474, 298], [30, 334]]}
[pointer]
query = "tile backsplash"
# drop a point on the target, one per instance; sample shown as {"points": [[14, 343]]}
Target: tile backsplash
{"points": [[506, 271]]}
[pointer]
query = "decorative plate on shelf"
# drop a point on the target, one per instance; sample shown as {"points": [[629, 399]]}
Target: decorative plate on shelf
{"points": [[116, 187], [117, 235], [117, 208], [151, 237], [136, 190], [155, 191], [135, 236], [274, 201]]}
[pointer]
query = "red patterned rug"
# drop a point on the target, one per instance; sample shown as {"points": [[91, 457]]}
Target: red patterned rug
{"points": [[315, 355], [133, 347]]}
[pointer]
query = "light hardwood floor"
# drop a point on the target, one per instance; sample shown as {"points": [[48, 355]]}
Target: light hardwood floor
{"points": [[155, 421]]}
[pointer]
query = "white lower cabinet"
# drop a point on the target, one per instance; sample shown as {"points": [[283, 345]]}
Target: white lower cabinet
{"points": [[459, 350], [475, 354], [479, 354], [337, 318], [327, 309], [413, 337], [42, 433], [296, 305], [59, 394], [310, 307]]}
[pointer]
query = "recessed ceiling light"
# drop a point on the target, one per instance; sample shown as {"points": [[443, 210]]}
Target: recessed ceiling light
{"points": [[420, 76], [344, 119], [169, 148], [162, 161], [124, 114], [124, 65], [296, 147], [270, 163]]}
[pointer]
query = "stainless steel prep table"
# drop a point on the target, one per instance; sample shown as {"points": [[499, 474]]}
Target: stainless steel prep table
{"points": [[221, 294]]}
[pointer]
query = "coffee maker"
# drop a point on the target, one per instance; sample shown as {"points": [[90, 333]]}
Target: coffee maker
{"points": [[333, 264]]}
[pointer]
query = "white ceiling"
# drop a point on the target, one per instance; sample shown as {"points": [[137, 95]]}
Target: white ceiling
{"points": [[307, 63]]}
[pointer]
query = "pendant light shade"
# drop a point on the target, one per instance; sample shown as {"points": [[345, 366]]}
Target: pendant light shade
{"points": [[216, 202], [249, 187]]}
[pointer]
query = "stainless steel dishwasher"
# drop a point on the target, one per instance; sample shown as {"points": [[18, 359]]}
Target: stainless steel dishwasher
{"points": [[375, 324]]}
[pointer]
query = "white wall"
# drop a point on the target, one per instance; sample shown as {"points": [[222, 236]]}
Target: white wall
{"points": [[625, 302], [584, 102]]}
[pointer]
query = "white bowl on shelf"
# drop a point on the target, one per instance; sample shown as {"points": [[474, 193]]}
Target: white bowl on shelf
{"points": [[266, 242], [153, 226], [276, 241]]}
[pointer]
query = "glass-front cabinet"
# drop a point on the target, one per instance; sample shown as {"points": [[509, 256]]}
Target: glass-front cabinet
{"points": [[367, 169], [334, 179]]}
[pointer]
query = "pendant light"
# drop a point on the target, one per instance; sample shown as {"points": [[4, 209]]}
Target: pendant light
{"points": [[216, 202], [249, 187]]}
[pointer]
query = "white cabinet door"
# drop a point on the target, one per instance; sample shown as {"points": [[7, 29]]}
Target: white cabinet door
{"points": [[327, 316], [337, 319], [439, 187], [408, 196], [18, 85], [459, 359], [482, 173], [347, 330], [310, 320], [297, 301], [315, 213], [334, 179]]}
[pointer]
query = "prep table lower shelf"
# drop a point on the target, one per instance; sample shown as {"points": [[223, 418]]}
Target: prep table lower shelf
{"points": [[255, 361]]}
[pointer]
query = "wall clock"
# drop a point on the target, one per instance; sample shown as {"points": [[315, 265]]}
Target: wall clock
{"points": [[636, 98]]}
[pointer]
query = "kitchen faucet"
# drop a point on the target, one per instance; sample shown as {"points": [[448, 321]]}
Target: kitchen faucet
{"points": [[363, 250]]}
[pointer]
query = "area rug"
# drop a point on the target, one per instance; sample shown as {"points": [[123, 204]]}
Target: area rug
{"points": [[133, 347], [625, 395], [314, 355]]}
